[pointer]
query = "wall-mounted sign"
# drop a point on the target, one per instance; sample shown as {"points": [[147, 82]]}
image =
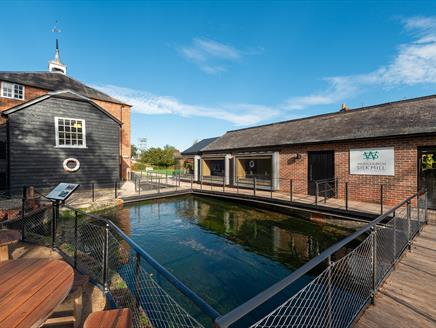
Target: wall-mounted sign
{"points": [[372, 161]]}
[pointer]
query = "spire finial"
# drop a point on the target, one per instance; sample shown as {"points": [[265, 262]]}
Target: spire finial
{"points": [[57, 30], [56, 64]]}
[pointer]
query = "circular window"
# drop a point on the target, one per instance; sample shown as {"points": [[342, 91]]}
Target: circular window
{"points": [[251, 164], [71, 165]]}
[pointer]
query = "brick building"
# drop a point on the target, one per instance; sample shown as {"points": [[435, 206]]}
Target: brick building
{"points": [[386, 150], [22, 88]]}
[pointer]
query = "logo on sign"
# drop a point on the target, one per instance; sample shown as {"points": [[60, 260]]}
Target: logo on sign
{"points": [[370, 155]]}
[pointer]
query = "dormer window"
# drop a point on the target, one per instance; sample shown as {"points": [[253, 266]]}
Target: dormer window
{"points": [[12, 90]]}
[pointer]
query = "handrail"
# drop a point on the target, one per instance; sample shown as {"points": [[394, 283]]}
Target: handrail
{"points": [[245, 308], [196, 299]]}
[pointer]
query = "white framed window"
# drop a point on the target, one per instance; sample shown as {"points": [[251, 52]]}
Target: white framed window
{"points": [[70, 132], [11, 90]]}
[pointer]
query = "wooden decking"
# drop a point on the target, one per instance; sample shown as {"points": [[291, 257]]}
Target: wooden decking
{"points": [[408, 296]]}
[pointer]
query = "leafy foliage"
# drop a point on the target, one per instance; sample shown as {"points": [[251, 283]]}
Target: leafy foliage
{"points": [[156, 156], [134, 151]]}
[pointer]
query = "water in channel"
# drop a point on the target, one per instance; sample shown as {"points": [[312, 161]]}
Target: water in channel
{"points": [[225, 251]]}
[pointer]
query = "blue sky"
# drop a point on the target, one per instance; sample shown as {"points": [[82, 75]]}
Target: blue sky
{"points": [[197, 69]]}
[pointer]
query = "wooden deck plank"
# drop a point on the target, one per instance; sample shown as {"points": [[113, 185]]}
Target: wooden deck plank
{"points": [[407, 297], [30, 302]]}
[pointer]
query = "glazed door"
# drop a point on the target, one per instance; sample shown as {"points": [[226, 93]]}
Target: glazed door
{"points": [[321, 166], [427, 174]]}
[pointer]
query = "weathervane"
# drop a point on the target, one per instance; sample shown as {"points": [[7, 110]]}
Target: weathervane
{"points": [[56, 29], [56, 64]]}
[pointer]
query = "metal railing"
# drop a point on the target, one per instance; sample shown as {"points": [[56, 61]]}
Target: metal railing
{"points": [[335, 297], [132, 278], [128, 275]]}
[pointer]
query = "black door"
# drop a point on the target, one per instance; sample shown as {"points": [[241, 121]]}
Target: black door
{"points": [[427, 174], [322, 169]]}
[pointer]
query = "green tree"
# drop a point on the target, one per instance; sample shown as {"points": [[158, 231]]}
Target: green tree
{"points": [[134, 150], [157, 156]]}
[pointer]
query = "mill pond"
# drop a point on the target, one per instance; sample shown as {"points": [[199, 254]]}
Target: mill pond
{"points": [[224, 251]]}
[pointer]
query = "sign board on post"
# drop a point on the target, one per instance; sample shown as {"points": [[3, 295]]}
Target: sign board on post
{"points": [[372, 161], [62, 191]]}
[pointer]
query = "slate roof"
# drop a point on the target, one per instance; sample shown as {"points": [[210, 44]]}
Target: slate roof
{"points": [[400, 118], [195, 149], [64, 94], [54, 82]]}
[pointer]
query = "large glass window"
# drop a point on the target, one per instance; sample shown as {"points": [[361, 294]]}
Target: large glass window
{"points": [[70, 132], [11, 90]]}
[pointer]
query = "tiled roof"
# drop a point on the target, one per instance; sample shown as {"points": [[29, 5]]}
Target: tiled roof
{"points": [[405, 117], [196, 148], [55, 82]]}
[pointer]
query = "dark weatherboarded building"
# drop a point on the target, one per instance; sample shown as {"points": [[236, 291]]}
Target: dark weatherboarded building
{"points": [[386, 150], [59, 137]]}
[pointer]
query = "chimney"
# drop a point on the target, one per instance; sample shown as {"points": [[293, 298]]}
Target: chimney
{"points": [[344, 108]]}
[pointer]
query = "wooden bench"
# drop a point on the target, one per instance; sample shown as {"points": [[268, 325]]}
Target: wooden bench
{"points": [[7, 237], [62, 314], [118, 318]]}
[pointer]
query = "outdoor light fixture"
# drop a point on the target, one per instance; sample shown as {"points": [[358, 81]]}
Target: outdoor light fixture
{"points": [[298, 156]]}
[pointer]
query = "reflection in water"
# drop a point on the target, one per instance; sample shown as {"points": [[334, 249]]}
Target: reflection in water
{"points": [[224, 251]]}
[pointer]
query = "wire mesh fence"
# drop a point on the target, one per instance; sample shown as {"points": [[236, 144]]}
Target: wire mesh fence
{"points": [[337, 295], [132, 278]]}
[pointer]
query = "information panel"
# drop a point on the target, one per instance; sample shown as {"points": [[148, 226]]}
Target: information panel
{"points": [[62, 191], [372, 161]]}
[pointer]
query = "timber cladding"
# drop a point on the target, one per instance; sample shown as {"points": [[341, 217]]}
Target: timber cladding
{"points": [[34, 157], [361, 187]]}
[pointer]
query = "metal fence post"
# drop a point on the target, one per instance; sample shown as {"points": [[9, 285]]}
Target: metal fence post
{"points": [[374, 263], [139, 187], [224, 184], [106, 258], [192, 178], [158, 185], [316, 192], [23, 209], [179, 179], [75, 239], [346, 196], [329, 292], [426, 207], [418, 216], [325, 191], [409, 234], [93, 192], [116, 190], [254, 186], [395, 235], [53, 223], [381, 199]]}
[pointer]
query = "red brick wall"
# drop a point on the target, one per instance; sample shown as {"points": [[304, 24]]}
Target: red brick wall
{"points": [[121, 112], [29, 93], [361, 187]]}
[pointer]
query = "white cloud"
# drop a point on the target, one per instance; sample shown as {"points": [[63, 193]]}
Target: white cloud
{"points": [[212, 56], [148, 103], [414, 63]]}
